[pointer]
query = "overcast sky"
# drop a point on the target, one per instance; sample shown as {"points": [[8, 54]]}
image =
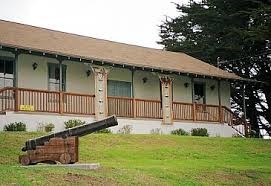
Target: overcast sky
{"points": [[133, 22]]}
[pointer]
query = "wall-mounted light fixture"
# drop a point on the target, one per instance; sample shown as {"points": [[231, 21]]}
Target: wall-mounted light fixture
{"points": [[212, 87], [145, 79], [88, 72], [35, 66], [186, 85]]}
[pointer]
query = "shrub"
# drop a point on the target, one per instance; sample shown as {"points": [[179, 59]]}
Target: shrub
{"points": [[17, 126], [42, 127], [126, 129], [156, 131], [104, 131], [180, 132], [73, 123], [199, 132], [49, 127]]}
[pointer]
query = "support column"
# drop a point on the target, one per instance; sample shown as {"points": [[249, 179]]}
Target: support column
{"points": [[245, 109], [219, 102], [15, 69], [133, 94], [60, 76], [60, 87], [166, 86], [100, 75], [193, 100], [15, 82]]}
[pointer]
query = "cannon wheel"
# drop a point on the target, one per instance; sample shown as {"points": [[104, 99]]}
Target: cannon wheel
{"points": [[65, 158], [24, 160]]}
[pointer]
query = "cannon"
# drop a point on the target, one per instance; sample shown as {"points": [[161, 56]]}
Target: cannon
{"points": [[61, 146]]}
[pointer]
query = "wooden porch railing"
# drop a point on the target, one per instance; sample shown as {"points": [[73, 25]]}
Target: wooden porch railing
{"points": [[148, 108], [17, 99], [120, 106], [183, 111], [207, 113], [7, 99], [129, 107], [239, 124], [195, 112]]}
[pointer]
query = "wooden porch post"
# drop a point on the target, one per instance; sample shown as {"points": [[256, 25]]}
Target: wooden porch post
{"points": [[60, 87], [16, 91], [166, 85], [193, 100], [245, 109], [60, 102], [100, 75], [60, 75], [220, 112], [133, 93]]}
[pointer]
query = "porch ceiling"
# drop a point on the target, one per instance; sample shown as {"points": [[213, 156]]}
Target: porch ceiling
{"points": [[67, 44]]}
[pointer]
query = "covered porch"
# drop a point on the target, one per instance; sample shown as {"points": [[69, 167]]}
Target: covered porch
{"points": [[24, 100], [46, 83]]}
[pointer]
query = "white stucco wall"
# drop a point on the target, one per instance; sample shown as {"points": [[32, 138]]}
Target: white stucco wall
{"points": [[180, 92], [76, 78], [120, 74], [212, 95], [225, 93], [148, 90], [78, 82], [34, 79]]}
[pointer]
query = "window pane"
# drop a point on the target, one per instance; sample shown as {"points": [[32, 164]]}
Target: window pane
{"points": [[199, 93], [119, 88], [10, 76], [199, 89], [54, 87], [53, 71], [53, 81], [2, 68], [51, 87], [57, 73], [54, 77], [9, 67], [50, 69], [63, 87], [2, 82], [64, 74], [8, 82]]}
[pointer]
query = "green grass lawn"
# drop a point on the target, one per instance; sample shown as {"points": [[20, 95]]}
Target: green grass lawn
{"points": [[146, 160]]}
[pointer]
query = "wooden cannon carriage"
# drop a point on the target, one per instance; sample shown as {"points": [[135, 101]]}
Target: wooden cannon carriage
{"points": [[61, 146]]}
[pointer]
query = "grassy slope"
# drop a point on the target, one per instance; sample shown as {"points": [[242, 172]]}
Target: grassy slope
{"points": [[147, 159]]}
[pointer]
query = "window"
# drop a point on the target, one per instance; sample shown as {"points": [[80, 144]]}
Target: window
{"points": [[199, 93], [54, 77], [118, 88], [6, 73]]}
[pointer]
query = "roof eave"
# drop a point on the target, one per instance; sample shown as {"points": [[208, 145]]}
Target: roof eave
{"points": [[163, 70]]}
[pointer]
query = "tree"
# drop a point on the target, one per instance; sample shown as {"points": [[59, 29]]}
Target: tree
{"points": [[229, 30]]}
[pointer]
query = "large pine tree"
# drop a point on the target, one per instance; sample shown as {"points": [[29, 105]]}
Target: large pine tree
{"points": [[236, 31]]}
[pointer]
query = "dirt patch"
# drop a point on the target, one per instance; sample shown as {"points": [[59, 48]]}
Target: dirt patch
{"points": [[76, 179]]}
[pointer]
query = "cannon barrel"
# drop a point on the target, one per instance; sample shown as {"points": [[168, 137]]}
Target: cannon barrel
{"points": [[75, 131]]}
